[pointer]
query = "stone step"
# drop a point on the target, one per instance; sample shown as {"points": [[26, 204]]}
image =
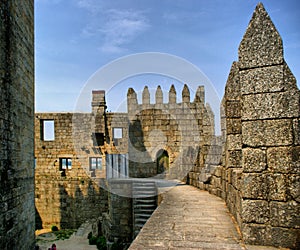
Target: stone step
{"points": [[143, 196], [142, 216], [145, 211], [137, 189], [146, 192], [143, 185], [144, 201]]}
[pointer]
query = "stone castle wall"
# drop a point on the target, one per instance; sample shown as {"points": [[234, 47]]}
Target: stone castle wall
{"points": [[259, 174], [16, 125], [254, 165], [66, 198], [77, 193], [178, 128]]}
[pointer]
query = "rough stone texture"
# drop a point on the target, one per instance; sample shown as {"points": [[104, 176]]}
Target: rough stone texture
{"points": [[284, 159], [253, 166], [270, 106], [189, 218], [176, 130], [179, 129], [117, 223], [262, 80], [17, 212], [259, 173], [284, 214], [261, 214], [261, 44], [254, 160], [268, 133]]}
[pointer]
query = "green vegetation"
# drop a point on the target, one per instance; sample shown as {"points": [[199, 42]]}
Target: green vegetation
{"points": [[64, 233], [99, 241]]}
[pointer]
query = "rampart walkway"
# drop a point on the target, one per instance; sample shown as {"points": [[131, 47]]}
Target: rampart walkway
{"points": [[189, 218]]}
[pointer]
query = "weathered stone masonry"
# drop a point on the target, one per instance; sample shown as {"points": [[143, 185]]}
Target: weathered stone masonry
{"points": [[17, 212], [256, 173], [259, 175], [159, 140]]}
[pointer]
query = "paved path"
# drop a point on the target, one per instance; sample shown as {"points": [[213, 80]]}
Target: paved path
{"points": [[189, 218]]}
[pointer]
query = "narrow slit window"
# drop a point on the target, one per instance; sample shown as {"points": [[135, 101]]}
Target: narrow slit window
{"points": [[48, 130]]}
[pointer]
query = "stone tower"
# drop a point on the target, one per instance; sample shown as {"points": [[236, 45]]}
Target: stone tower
{"points": [[262, 138], [17, 212]]}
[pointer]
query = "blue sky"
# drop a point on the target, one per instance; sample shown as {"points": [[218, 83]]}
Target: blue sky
{"points": [[75, 38]]}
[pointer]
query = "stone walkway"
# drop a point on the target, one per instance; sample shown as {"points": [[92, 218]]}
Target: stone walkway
{"points": [[189, 218]]}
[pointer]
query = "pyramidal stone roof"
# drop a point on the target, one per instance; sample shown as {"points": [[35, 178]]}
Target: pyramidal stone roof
{"points": [[261, 44]]}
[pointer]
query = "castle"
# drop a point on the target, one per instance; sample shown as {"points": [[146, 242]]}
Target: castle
{"points": [[88, 166]]}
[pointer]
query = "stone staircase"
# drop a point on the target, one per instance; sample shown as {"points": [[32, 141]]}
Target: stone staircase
{"points": [[144, 195]]}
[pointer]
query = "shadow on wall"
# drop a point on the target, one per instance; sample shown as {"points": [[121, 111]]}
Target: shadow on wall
{"points": [[38, 220], [82, 204], [141, 164]]}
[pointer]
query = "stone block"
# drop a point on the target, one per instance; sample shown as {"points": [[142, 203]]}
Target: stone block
{"points": [[277, 187], [296, 131], [254, 160], [256, 234], [294, 186], [233, 126], [233, 109], [232, 89], [270, 105], [267, 132], [261, 44], [262, 80], [290, 81], [234, 158], [236, 178], [284, 214], [255, 211], [284, 159], [254, 186], [234, 142], [285, 237]]}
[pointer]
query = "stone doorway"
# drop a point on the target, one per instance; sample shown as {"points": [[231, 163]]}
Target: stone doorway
{"points": [[162, 163]]}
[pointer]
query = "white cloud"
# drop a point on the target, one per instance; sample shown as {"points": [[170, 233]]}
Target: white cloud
{"points": [[114, 27], [93, 6]]}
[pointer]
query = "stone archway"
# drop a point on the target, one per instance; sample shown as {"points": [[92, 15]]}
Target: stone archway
{"points": [[162, 162]]}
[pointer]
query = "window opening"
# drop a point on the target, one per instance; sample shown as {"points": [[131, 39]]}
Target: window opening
{"points": [[64, 165], [95, 164], [117, 133], [48, 133], [98, 139]]}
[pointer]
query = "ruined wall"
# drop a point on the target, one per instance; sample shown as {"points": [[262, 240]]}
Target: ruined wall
{"points": [[66, 198], [16, 125], [259, 178], [179, 129]]}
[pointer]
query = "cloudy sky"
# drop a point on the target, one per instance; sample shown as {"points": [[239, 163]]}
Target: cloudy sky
{"points": [[76, 38]]}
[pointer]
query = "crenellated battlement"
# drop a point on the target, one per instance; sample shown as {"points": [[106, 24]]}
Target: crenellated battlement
{"points": [[133, 104]]}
